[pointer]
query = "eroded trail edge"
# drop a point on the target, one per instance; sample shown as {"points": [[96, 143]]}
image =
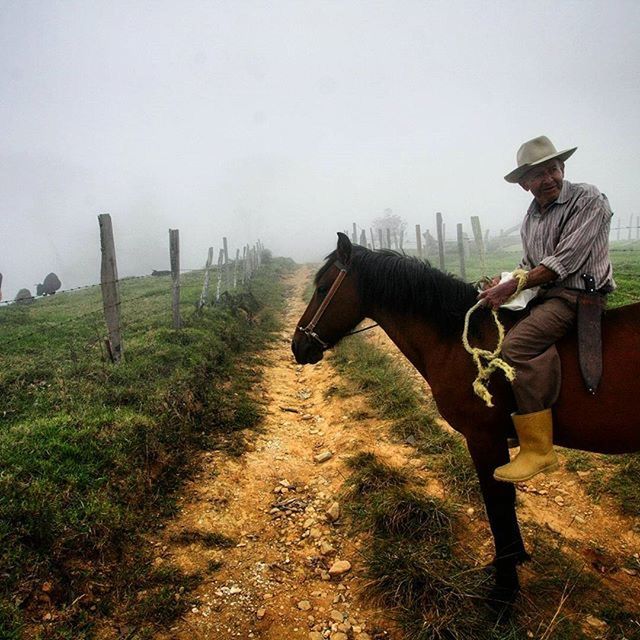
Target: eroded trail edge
{"points": [[265, 529]]}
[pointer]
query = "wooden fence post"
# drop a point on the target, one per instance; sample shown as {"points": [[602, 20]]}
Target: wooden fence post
{"points": [[418, 242], [463, 272], [174, 255], [207, 273], [380, 242], [235, 269], [373, 244], [477, 236], [440, 231], [220, 263], [225, 248], [388, 238], [109, 286], [244, 264]]}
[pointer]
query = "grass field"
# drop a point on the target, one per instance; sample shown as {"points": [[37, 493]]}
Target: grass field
{"points": [[92, 452], [625, 258]]}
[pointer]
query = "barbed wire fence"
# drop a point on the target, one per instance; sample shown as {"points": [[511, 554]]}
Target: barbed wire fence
{"points": [[106, 309]]}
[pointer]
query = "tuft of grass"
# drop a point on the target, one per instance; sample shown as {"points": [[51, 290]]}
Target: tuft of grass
{"points": [[410, 564], [624, 485], [164, 598], [615, 476], [371, 474], [214, 565]]}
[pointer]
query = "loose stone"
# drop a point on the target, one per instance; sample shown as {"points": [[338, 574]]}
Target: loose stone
{"points": [[325, 548], [339, 567], [333, 512]]}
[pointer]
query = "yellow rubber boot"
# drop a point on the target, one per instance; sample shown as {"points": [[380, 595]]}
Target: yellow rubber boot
{"points": [[535, 432]]}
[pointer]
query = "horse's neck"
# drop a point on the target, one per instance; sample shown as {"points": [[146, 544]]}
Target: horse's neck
{"points": [[419, 341]]}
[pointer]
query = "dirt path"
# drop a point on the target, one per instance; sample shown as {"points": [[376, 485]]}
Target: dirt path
{"points": [[279, 504]]}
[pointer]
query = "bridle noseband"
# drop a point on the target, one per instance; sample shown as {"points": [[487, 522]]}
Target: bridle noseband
{"points": [[310, 329]]}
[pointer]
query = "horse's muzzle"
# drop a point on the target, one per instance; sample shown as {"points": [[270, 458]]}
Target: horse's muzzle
{"points": [[305, 350]]}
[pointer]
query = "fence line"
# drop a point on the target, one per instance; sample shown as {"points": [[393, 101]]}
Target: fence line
{"points": [[484, 242], [112, 303]]}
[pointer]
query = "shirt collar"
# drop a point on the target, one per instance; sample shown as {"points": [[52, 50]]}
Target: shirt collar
{"points": [[565, 193], [563, 198]]}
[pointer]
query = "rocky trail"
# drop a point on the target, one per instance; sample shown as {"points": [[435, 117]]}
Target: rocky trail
{"points": [[285, 565], [292, 571]]}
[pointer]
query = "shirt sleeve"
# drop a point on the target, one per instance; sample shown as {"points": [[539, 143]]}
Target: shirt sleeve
{"points": [[590, 215]]}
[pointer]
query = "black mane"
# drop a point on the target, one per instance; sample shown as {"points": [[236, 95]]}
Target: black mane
{"points": [[394, 281]]}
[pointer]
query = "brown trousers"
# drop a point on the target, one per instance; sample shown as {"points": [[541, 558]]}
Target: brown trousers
{"points": [[529, 347]]}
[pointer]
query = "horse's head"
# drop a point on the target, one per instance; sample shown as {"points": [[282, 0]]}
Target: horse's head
{"points": [[334, 309]]}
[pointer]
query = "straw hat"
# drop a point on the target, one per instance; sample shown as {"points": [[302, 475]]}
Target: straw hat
{"points": [[534, 152]]}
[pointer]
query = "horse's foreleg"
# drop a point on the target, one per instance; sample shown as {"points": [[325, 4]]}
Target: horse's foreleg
{"points": [[499, 500]]}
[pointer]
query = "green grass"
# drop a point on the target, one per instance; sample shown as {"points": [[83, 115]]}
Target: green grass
{"points": [[91, 453]]}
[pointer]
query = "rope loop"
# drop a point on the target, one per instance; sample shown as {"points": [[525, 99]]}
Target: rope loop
{"points": [[489, 361]]}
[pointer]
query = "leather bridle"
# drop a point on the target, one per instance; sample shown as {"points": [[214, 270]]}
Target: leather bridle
{"points": [[310, 329]]}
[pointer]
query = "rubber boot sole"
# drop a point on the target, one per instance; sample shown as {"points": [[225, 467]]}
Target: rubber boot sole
{"points": [[550, 467]]}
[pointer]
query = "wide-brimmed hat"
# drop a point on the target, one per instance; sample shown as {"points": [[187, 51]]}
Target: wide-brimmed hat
{"points": [[534, 152]]}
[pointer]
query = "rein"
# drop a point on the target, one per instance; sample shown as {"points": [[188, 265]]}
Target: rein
{"points": [[488, 361], [310, 329]]}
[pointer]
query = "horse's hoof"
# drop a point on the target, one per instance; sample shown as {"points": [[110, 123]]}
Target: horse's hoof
{"points": [[500, 601]]}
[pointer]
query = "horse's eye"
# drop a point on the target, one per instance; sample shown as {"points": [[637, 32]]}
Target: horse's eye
{"points": [[322, 291]]}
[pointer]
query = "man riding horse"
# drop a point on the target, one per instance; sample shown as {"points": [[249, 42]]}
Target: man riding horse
{"points": [[565, 236]]}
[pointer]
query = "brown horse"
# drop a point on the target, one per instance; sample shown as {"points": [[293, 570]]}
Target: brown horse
{"points": [[422, 310]]}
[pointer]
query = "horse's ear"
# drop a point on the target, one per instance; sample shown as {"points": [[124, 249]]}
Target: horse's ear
{"points": [[344, 249]]}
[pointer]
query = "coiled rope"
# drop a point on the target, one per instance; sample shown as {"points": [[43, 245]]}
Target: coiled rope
{"points": [[488, 361]]}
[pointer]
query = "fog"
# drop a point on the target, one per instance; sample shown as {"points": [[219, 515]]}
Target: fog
{"points": [[287, 121]]}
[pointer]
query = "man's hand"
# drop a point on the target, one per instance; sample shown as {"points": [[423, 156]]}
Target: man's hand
{"points": [[498, 294], [486, 282]]}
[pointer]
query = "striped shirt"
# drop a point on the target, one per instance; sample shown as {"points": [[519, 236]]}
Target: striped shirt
{"points": [[571, 237]]}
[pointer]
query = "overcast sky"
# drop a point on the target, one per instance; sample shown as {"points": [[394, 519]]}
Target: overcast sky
{"points": [[287, 121]]}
